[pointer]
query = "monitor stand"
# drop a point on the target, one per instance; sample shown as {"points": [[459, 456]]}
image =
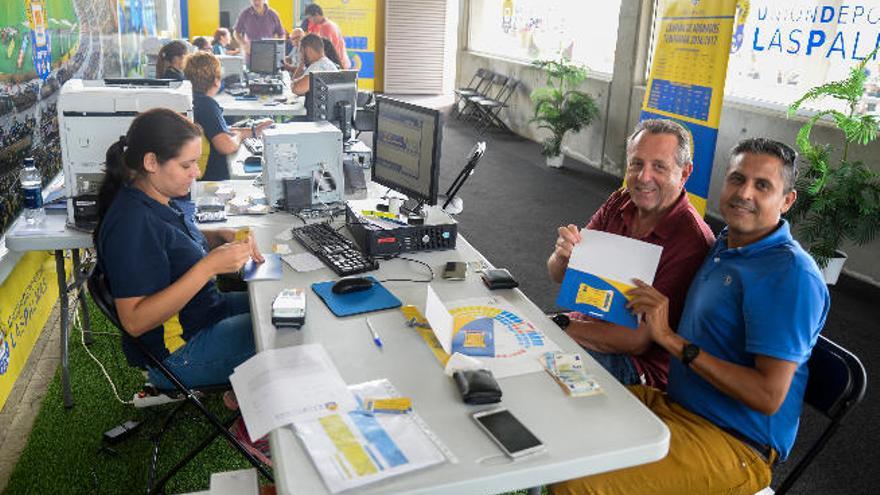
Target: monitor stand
{"points": [[452, 206], [414, 208]]}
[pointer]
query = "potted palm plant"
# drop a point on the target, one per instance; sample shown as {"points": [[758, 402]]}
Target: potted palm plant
{"points": [[560, 107], [838, 199]]}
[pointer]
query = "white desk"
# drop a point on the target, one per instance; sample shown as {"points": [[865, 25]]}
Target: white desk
{"points": [[59, 238], [584, 435], [295, 105]]}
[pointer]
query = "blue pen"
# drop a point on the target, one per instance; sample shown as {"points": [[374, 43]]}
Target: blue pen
{"points": [[376, 339]]}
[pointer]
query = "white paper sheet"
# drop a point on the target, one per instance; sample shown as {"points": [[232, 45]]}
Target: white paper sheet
{"points": [[615, 257], [303, 262], [440, 320], [278, 386]]}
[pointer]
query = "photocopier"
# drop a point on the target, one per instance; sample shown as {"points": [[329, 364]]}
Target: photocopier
{"points": [[92, 115]]}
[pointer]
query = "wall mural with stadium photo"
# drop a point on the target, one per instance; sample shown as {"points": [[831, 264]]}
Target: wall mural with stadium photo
{"points": [[43, 43]]}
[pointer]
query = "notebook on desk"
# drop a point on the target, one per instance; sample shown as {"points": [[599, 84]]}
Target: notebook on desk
{"points": [[375, 298]]}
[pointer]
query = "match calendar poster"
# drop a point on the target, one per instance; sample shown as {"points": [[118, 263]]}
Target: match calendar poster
{"points": [[686, 82]]}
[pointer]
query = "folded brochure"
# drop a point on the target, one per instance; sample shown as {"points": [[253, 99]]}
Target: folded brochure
{"points": [[600, 273]]}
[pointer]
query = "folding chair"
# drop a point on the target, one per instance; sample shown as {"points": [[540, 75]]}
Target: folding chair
{"points": [[100, 291], [837, 383], [489, 108], [478, 86], [494, 91]]}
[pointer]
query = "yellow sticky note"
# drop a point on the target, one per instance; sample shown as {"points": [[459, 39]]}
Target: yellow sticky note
{"points": [[242, 234]]}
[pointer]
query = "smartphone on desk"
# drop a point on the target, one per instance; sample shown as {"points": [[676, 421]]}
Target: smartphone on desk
{"points": [[505, 430]]}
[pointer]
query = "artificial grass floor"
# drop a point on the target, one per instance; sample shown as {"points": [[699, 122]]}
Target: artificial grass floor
{"points": [[65, 453]]}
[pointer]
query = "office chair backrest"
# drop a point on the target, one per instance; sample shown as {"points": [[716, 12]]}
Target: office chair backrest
{"points": [[100, 291], [837, 383]]}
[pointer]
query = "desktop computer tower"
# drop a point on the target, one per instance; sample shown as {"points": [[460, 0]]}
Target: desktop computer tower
{"points": [[438, 232], [308, 154]]}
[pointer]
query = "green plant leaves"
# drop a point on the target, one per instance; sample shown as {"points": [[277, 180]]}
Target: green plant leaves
{"points": [[559, 107], [836, 201]]}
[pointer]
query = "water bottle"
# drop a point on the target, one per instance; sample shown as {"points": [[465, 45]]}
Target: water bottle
{"points": [[31, 186]]}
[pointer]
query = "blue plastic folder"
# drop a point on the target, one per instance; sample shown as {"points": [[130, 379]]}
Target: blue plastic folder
{"points": [[375, 298]]}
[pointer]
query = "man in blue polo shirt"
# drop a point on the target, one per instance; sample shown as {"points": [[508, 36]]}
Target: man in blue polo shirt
{"points": [[752, 316]]}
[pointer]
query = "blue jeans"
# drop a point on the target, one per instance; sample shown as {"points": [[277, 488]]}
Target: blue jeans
{"points": [[210, 356], [619, 365]]}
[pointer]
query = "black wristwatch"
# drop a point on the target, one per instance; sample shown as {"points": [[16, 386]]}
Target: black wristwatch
{"points": [[562, 320], [689, 353]]}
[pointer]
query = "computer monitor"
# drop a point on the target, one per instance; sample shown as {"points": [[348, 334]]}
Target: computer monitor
{"points": [[333, 97], [264, 57], [406, 148]]}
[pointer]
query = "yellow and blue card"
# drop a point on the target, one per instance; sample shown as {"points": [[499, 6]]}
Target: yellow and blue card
{"points": [[600, 273]]}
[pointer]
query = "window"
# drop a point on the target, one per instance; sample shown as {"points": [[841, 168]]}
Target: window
{"points": [[527, 30], [781, 49]]}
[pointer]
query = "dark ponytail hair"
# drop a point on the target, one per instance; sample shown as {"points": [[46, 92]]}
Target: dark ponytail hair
{"points": [[160, 131], [167, 53]]}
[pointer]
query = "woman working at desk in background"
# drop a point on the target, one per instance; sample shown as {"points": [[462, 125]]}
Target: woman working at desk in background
{"points": [[203, 71], [160, 267], [170, 61]]}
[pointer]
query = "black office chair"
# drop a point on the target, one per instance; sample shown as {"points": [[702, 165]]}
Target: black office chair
{"points": [[100, 292], [837, 383]]}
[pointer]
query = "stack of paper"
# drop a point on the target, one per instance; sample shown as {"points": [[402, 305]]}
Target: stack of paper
{"points": [[568, 371], [279, 386]]}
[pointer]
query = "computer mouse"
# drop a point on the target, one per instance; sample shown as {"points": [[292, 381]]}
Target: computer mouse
{"points": [[351, 284]]}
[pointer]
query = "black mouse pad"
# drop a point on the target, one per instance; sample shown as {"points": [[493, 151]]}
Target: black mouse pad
{"points": [[375, 298]]}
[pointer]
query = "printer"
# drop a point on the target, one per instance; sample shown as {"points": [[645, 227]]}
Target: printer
{"points": [[91, 116], [302, 165]]}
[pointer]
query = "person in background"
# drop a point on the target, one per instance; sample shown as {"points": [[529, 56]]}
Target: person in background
{"points": [[313, 53], [752, 316], [221, 43], [170, 61], [203, 71], [323, 26], [330, 52], [294, 59], [653, 207], [201, 44], [257, 22]]}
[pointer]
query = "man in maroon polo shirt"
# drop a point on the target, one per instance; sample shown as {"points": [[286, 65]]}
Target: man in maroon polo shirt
{"points": [[257, 22], [652, 207]]}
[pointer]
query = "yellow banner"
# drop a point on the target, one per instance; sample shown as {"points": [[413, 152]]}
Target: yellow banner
{"points": [[686, 82], [26, 300], [357, 21]]}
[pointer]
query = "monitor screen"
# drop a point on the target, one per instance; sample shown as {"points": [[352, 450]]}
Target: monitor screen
{"points": [[327, 89], [264, 56], [406, 148]]}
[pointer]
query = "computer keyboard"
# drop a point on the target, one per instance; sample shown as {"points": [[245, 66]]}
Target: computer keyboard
{"points": [[254, 145], [336, 251]]}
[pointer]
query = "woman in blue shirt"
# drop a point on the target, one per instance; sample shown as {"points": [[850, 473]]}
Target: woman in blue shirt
{"points": [[203, 71], [161, 269]]}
